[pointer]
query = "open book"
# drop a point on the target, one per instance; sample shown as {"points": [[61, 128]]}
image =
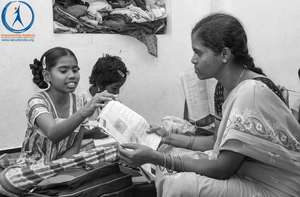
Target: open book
{"points": [[127, 126], [199, 95]]}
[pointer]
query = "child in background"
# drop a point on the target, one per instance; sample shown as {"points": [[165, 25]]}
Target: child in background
{"points": [[55, 113], [108, 75]]}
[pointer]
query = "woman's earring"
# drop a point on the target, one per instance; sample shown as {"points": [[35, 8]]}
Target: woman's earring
{"points": [[224, 61]]}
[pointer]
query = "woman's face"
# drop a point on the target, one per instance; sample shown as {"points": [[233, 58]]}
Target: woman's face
{"points": [[64, 76], [207, 64]]}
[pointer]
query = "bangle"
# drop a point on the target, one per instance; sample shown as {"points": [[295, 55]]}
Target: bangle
{"points": [[165, 160], [172, 162], [191, 142], [180, 163], [168, 160], [163, 140]]}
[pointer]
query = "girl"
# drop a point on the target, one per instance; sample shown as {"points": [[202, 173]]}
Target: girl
{"points": [[55, 113], [257, 147], [108, 74]]}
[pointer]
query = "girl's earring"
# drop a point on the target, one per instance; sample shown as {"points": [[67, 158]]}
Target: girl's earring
{"points": [[224, 61], [48, 86]]}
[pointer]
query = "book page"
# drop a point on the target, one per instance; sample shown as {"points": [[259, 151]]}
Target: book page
{"points": [[195, 92], [126, 126]]}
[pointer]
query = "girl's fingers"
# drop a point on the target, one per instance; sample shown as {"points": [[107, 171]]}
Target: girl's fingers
{"points": [[149, 131]]}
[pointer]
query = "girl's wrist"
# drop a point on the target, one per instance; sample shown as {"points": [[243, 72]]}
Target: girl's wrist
{"points": [[82, 114], [166, 139]]}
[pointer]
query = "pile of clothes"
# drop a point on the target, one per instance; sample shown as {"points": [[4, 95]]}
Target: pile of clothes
{"points": [[142, 19]]}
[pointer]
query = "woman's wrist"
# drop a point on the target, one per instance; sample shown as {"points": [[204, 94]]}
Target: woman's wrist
{"points": [[156, 158], [166, 139]]}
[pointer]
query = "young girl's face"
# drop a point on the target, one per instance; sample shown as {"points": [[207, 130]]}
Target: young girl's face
{"points": [[114, 88], [64, 76]]}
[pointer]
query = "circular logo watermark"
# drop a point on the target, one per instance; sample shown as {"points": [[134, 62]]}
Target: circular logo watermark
{"points": [[17, 16]]}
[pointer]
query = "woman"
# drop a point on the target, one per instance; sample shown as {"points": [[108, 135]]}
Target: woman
{"points": [[257, 147], [296, 105]]}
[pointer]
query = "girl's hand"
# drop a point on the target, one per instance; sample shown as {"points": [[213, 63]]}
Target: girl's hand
{"points": [[160, 131], [135, 154], [98, 100]]}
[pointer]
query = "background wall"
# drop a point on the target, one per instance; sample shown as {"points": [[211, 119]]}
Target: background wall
{"points": [[153, 88]]}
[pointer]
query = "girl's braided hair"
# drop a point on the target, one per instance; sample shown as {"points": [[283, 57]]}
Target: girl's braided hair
{"points": [[47, 61]]}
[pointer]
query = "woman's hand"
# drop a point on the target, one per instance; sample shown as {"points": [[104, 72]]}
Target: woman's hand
{"points": [[136, 154], [98, 100], [160, 131]]}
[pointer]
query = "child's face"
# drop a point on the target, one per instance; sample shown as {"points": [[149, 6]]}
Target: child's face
{"points": [[114, 88], [64, 76]]}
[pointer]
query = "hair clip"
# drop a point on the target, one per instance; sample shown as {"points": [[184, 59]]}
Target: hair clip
{"points": [[121, 73], [44, 62]]}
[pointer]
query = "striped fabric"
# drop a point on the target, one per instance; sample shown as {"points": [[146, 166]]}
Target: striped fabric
{"points": [[20, 179], [36, 146]]}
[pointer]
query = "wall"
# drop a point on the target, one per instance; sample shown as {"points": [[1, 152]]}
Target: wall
{"points": [[273, 34], [152, 89]]}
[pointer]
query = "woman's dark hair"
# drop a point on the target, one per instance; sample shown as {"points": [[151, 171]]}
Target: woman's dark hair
{"points": [[107, 70], [47, 61], [218, 31]]}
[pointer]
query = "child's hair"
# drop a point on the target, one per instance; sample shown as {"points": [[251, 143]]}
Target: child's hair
{"points": [[47, 61], [108, 70]]}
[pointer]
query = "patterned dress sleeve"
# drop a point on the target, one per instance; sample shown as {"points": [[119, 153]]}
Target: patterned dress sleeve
{"points": [[256, 120], [36, 106]]}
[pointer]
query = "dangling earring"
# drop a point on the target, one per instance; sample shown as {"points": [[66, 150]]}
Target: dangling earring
{"points": [[48, 86], [99, 90], [224, 61]]}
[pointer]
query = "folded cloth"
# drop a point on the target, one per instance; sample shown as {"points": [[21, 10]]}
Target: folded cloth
{"points": [[174, 124], [77, 10], [120, 3], [136, 14], [20, 178]]}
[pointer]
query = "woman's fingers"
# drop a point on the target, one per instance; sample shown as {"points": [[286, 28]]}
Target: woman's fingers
{"points": [[130, 146], [154, 129], [125, 159], [99, 105]]}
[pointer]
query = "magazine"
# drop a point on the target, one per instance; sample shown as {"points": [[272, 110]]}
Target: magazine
{"points": [[199, 95], [127, 126]]}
